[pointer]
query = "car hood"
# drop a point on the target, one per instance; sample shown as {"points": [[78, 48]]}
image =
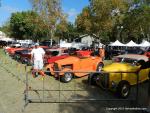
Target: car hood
{"points": [[120, 67], [68, 60]]}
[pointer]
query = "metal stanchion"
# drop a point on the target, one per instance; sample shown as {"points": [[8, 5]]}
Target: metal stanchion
{"points": [[148, 107], [74, 90], [26, 91], [43, 87], [59, 89], [75, 96], [137, 87]]}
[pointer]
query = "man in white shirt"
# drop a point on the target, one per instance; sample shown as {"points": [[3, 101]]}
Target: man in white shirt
{"points": [[37, 56]]}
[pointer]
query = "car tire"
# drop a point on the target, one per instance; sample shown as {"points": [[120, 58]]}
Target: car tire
{"points": [[67, 77], [123, 89], [92, 79], [99, 67]]}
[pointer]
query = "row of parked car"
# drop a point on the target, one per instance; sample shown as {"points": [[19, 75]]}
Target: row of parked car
{"points": [[66, 64]]}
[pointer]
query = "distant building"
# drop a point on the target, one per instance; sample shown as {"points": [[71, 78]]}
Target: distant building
{"points": [[2, 35], [87, 39]]}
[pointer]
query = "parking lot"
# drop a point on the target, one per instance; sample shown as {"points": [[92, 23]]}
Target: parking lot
{"points": [[12, 86]]}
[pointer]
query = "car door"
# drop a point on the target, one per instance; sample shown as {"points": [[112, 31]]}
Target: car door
{"points": [[86, 64]]}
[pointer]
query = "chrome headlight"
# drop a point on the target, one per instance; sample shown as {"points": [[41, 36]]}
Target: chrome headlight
{"points": [[113, 85]]}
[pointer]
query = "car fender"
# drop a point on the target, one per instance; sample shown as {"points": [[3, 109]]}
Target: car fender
{"points": [[50, 67], [96, 64]]}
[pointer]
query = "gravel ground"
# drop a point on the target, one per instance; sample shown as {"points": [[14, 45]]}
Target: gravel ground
{"points": [[12, 86]]}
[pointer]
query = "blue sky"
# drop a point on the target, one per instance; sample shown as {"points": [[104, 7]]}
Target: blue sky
{"points": [[71, 7]]}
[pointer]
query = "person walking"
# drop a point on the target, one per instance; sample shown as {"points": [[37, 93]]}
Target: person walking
{"points": [[37, 56], [102, 52]]}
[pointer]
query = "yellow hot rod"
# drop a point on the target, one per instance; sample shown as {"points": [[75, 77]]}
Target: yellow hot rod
{"points": [[127, 70]]}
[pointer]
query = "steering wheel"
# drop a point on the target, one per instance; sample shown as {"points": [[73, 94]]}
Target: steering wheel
{"points": [[135, 63]]}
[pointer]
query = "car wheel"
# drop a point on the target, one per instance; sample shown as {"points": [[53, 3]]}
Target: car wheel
{"points": [[67, 77], [92, 79], [99, 67], [123, 89]]}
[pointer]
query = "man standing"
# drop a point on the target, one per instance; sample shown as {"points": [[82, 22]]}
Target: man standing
{"points": [[102, 52], [37, 56]]}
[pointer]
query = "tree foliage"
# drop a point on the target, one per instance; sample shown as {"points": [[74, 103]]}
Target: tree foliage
{"points": [[84, 21], [108, 19], [27, 25], [51, 12], [137, 23], [68, 33], [101, 17], [116, 19]]}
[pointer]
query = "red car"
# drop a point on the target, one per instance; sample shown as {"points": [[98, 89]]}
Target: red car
{"points": [[83, 53], [25, 56], [147, 53], [54, 55], [58, 54], [9, 50]]}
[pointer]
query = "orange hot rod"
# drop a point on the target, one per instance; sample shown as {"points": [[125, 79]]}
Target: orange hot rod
{"points": [[72, 65]]}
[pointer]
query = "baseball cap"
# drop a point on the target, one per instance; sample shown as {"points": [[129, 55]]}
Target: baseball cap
{"points": [[36, 44]]}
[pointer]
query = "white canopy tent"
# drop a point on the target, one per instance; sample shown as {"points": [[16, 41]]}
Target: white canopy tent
{"points": [[144, 44], [6, 39], [100, 45], [116, 43], [132, 44]]}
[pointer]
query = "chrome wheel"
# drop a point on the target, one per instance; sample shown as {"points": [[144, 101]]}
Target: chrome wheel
{"points": [[125, 91], [68, 76]]}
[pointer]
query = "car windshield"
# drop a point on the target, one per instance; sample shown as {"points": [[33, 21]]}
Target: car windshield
{"points": [[124, 60], [26, 51], [134, 51], [54, 53]]}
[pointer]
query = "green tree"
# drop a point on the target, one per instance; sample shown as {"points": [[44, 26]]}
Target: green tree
{"points": [[6, 28], [66, 31], [61, 29], [51, 12], [102, 17], [27, 25], [84, 21], [106, 15], [137, 22]]}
